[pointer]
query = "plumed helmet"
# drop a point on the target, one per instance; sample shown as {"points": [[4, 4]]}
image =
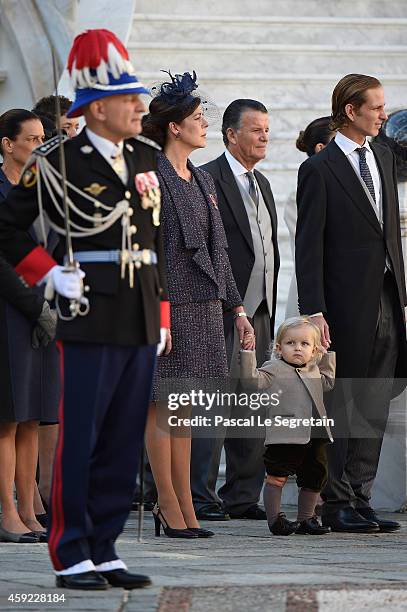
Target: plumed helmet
{"points": [[99, 66]]}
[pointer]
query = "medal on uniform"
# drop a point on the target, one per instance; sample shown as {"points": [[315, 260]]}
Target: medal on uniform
{"points": [[148, 188]]}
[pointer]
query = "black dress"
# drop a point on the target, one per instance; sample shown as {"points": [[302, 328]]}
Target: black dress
{"points": [[29, 378]]}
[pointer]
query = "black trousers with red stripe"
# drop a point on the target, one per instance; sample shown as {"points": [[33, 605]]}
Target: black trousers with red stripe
{"points": [[106, 396]]}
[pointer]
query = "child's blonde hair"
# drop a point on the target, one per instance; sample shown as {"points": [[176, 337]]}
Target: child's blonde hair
{"points": [[298, 322]]}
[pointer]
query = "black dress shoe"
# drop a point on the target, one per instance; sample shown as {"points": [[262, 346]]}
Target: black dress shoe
{"points": [[384, 525], [201, 533], [18, 538], [348, 520], [161, 522], [87, 581], [42, 536], [42, 519], [125, 580], [282, 526], [254, 513], [312, 526], [212, 513]]}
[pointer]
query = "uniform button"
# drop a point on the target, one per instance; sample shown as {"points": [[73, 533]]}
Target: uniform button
{"points": [[127, 195], [130, 211], [133, 229], [135, 246]]}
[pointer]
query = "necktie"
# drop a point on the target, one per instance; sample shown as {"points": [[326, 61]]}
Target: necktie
{"points": [[252, 188], [365, 172], [119, 165]]}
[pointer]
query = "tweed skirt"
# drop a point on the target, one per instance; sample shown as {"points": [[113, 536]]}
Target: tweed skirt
{"points": [[198, 347]]}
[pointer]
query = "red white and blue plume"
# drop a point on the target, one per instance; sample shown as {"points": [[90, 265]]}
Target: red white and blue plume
{"points": [[99, 66]]}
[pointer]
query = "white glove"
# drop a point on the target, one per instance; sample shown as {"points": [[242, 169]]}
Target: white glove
{"points": [[163, 340], [67, 283]]}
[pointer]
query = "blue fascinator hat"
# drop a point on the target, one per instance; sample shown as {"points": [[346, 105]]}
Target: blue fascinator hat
{"points": [[182, 89]]}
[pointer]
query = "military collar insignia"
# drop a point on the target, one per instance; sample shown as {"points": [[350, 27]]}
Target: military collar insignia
{"points": [[95, 189], [129, 147], [86, 149]]}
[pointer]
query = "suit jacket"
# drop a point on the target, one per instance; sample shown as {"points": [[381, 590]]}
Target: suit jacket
{"points": [[237, 228], [341, 253], [203, 271], [299, 390], [118, 314]]}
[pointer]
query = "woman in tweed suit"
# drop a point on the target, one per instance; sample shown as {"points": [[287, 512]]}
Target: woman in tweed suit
{"points": [[200, 284]]}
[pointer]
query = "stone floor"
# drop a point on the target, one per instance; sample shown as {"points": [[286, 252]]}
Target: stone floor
{"points": [[242, 569]]}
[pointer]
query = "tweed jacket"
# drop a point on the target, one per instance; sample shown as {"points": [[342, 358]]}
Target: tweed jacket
{"points": [[198, 270], [299, 389]]}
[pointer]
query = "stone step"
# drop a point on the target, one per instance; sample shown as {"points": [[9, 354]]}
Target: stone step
{"points": [[284, 58], [210, 29], [347, 8], [276, 90]]}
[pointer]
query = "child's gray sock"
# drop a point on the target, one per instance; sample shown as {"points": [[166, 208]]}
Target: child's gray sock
{"points": [[272, 501], [307, 500]]}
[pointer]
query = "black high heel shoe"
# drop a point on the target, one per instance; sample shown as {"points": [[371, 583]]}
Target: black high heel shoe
{"points": [[160, 521], [201, 533]]}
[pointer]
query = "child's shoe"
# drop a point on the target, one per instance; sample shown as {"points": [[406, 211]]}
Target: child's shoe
{"points": [[282, 526], [312, 526]]}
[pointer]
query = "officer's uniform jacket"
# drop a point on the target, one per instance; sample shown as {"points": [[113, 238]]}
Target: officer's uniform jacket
{"points": [[119, 314]]}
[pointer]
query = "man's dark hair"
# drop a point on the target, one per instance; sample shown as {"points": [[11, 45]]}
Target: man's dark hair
{"points": [[11, 122], [233, 114], [46, 107], [318, 131]]}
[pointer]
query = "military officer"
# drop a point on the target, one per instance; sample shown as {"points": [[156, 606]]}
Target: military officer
{"points": [[109, 353]]}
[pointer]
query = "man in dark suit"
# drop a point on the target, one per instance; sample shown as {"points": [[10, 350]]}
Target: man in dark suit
{"points": [[249, 216], [109, 354], [350, 277]]}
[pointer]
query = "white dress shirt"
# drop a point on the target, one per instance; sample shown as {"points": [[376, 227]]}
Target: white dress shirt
{"points": [[107, 149], [349, 147], [240, 172]]}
